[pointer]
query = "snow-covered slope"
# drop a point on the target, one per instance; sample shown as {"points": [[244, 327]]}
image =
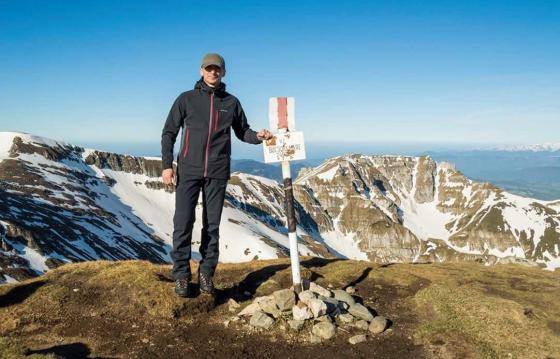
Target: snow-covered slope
{"points": [[411, 208], [61, 203]]}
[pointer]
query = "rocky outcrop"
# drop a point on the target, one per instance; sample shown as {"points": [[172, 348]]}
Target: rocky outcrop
{"points": [[425, 185], [158, 184], [16, 233], [392, 205], [357, 196], [125, 163], [53, 152]]}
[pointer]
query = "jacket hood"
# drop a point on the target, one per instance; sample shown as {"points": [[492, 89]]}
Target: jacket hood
{"points": [[202, 86]]}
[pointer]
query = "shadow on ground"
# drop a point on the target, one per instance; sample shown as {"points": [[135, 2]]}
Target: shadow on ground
{"points": [[18, 294]]}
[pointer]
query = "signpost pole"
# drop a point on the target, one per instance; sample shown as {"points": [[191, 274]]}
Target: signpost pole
{"points": [[291, 219], [285, 146]]}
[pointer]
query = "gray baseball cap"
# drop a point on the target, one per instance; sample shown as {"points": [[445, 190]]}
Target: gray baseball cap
{"points": [[213, 59]]}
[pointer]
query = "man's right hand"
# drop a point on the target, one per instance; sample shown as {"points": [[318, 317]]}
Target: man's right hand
{"points": [[168, 176]]}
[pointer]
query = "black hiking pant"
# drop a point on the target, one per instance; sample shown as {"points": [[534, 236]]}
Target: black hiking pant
{"points": [[186, 198]]}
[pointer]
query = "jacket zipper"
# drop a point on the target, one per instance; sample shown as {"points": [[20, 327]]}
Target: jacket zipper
{"points": [[209, 133], [186, 144]]}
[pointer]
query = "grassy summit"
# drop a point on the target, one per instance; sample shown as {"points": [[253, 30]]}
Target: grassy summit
{"points": [[128, 309]]}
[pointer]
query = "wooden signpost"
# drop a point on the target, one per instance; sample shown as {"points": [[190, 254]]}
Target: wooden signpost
{"points": [[286, 145]]}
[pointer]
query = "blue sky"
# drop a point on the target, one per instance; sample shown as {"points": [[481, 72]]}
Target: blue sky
{"points": [[456, 72]]}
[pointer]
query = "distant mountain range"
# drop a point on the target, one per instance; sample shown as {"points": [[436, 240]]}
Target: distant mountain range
{"points": [[527, 173], [63, 203], [272, 171], [544, 147]]}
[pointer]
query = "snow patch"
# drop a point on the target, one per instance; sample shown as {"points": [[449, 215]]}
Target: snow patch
{"points": [[345, 245], [329, 174]]}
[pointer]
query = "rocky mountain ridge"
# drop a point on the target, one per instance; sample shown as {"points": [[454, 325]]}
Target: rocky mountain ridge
{"points": [[435, 211], [62, 203]]}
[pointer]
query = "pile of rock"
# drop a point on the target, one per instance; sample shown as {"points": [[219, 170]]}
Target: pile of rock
{"points": [[322, 310]]}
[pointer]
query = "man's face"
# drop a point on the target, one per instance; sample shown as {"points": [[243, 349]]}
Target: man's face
{"points": [[212, 75]]}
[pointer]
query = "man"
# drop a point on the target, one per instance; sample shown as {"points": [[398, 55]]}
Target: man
{"points": [[207, 113]]}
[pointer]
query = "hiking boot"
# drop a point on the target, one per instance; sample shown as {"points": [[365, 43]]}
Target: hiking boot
{"points": [[182, 288], [205, 283]]}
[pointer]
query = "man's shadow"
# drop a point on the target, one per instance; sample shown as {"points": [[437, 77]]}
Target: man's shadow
{"points": [[248, 286], [18, 294]]}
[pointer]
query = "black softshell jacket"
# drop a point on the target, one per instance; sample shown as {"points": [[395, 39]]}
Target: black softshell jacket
{"points": [[206, 116]]}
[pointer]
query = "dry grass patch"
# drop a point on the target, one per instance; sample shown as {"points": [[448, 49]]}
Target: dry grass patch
{"points": [[482, 312], [125, 308], [10, 350]]}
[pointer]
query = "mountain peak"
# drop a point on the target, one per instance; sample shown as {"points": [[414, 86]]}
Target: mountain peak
{"points": [[8, 137], [14, 144]]}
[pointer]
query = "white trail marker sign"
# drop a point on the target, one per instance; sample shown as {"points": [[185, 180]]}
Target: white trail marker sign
{"points": [[286, 145]]}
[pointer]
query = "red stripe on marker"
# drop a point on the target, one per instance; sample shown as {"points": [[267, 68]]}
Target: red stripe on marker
{"points": [[282, 112]]}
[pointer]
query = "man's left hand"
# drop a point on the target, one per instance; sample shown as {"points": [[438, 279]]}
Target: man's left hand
{"points": [[264, 134]]}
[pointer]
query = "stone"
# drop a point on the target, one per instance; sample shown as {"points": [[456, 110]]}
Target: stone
{"points": [[357, 339], [263, 298], [306, 295], [285, 299], [301, 312], [233, 305], [378, 325], [346, 318], [342, 296], [360, 312], [317, 307], [361, 324], [316, 288], [261, 320], [324, 330], [314, 339], [343, 306], [324, 318], [296, 324], [226, 323], [249, 310], [5, 246], [268, 305], [350, 290], [332, 304]]}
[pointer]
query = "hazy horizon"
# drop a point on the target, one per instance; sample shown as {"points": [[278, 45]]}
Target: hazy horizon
{"points": [[314, 149]]}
